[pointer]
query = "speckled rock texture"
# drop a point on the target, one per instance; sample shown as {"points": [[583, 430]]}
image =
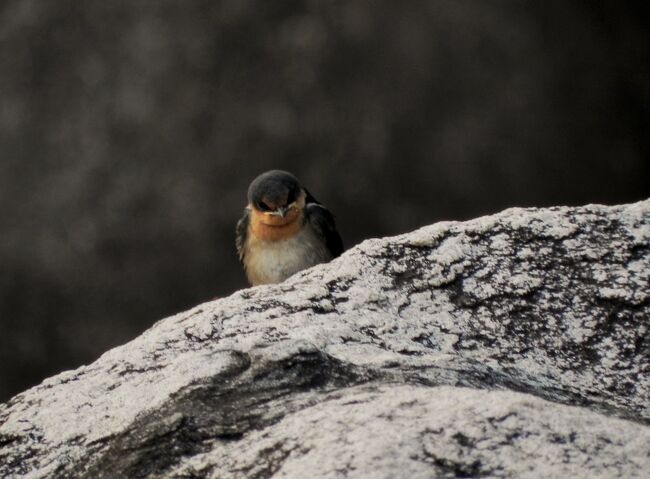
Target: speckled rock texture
{"points": [[514, 345]]}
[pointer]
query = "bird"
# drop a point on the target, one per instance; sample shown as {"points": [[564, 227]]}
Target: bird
{"points": [[283, 230]]}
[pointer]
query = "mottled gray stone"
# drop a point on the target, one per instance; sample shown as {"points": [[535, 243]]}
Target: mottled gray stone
{"points": [[514, 345]]}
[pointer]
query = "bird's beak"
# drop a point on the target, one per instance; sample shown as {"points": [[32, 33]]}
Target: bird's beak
{"points": [[281, 211]]}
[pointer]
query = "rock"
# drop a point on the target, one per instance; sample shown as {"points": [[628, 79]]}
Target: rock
{"points": [[514, 345]]}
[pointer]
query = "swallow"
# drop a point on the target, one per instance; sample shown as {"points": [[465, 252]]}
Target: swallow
{"points": [[283, 230]]}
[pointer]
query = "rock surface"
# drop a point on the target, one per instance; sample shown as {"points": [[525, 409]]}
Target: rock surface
{"points": [[514, 345]]}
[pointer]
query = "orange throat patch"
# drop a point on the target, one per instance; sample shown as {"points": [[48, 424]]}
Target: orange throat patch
{"points": [[267, 227]]}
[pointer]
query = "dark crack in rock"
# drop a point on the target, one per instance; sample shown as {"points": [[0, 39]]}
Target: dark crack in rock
{"points": [[514, 345]]}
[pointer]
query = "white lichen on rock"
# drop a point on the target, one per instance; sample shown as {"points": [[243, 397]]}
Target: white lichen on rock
{"points": [[511, 345]]}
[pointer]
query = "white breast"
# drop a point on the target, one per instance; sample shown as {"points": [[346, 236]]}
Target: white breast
{"points": [[274, 261]]}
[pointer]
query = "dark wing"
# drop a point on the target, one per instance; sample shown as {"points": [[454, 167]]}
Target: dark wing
{"points": [[323, 223], [241, 232]]}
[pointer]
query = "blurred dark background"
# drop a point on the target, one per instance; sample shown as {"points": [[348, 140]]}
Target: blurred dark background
{"points": [[129, 131]]}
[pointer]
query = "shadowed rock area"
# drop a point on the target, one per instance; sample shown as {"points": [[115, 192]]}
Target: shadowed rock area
{"points": [[514, 345]]}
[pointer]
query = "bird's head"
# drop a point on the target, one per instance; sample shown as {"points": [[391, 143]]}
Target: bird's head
{"points": [[276, 198]]}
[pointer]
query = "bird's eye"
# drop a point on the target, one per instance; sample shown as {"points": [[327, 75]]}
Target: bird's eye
{"points": [[263, 206], [291, 197]]}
